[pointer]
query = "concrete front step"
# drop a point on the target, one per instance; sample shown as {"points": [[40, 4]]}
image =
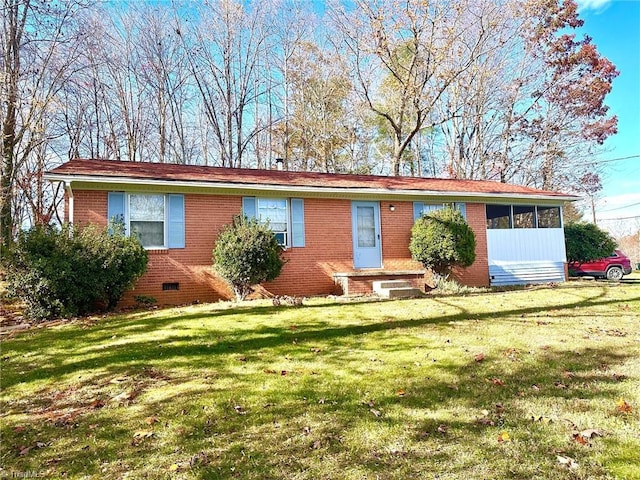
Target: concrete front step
{"points": [[395, 289], [385, 284], [402, 292]]}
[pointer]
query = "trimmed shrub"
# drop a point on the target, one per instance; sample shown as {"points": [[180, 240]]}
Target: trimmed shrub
{"points": [[58, 273], [247, 253], [586, 242], [442, 240]]}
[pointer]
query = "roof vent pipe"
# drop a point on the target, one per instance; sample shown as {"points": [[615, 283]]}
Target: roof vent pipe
{"points": [[279, 163]]}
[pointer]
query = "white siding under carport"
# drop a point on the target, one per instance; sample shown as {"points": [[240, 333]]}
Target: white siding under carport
{"points": [[527, 255]]}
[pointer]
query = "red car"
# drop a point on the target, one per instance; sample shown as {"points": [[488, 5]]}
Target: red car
{"points": [[613, 267]]}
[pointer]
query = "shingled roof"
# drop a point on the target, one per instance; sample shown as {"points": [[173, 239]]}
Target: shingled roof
{"points": [[112, 171]]}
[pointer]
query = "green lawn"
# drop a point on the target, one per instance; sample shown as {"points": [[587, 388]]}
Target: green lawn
{"points": [[496, 385]]}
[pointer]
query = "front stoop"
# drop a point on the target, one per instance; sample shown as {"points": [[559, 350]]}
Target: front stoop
{"points": [[360, 282], [395, 289]]}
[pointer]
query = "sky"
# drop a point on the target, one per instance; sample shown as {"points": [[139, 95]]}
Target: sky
{"points": [[614, 26]]}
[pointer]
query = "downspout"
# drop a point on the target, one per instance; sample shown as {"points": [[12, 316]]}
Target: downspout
{"points": [[69, 194]]}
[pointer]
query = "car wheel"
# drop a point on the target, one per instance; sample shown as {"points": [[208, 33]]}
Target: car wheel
{"points": [[614, 273]]}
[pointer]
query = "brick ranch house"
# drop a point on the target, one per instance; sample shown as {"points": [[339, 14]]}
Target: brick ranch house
{"points": [[341, 232]]}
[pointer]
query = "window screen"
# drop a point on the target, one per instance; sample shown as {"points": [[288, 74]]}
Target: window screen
{"points": [[524, 216], [498, 216], [549, 217]]}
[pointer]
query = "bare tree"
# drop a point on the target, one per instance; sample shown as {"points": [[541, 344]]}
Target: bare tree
{"points": [[39, 42], [532, 110], [224, 49], [400, 53]]}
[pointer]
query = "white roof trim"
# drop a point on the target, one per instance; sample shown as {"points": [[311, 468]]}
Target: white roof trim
{"points": [[297, 188]]}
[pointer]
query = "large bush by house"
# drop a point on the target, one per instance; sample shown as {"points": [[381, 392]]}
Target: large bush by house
{"points": [[247, 253], [62, 273], [586, 242], [442, 240]]}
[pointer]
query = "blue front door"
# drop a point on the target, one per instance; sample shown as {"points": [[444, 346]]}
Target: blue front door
{"points": [[366, 235]]}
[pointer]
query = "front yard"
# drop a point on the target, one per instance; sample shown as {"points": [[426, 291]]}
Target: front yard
{"points": [[534, 383]]}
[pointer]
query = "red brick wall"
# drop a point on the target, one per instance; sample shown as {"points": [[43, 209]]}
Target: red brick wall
{"points": [[308, 271], [396, 234], [328, 249], [477, 275]]}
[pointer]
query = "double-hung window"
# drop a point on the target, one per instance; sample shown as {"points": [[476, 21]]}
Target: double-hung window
{"points": [[422, 208], [157, 220], [275, 211], [285, 217], [147, 219]]}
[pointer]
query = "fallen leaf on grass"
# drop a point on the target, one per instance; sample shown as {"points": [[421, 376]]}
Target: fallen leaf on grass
{"points": [[568, 374], [512, 354], [567, 461], [618, 377], [126, 396], [240, 410], [400, 393], [143, 434], [560, 385], [487, 422], [97, 403], [623, 406], [442, 429], [541, 419], [584, 437], [496, 381], [19, 429], [590, 433], [377, 413], [479, 357], [151, 420], [504, 437], [580, 439], [174, 467]]}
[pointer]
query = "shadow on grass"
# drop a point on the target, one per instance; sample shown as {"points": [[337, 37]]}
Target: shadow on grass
{"points": [[255, 423], [205, 346], [294, 430]]}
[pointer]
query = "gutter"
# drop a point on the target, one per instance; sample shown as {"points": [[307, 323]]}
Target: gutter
{"points": [[68, 179]]}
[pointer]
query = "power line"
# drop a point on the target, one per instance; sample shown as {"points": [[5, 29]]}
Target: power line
{"points": [[617, 218], [617, 159], [611, 160], [620, 208]]}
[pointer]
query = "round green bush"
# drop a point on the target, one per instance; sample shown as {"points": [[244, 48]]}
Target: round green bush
{"points": [[247, 253], [442, 240], [63, 273], [586, 242]]}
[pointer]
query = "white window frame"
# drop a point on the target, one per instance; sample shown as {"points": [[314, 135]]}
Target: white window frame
{"points": [[288, 220], [165, 220], [433, 207]]}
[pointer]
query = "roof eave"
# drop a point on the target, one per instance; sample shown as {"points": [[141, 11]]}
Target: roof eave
{"points": [[67, 178]]}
